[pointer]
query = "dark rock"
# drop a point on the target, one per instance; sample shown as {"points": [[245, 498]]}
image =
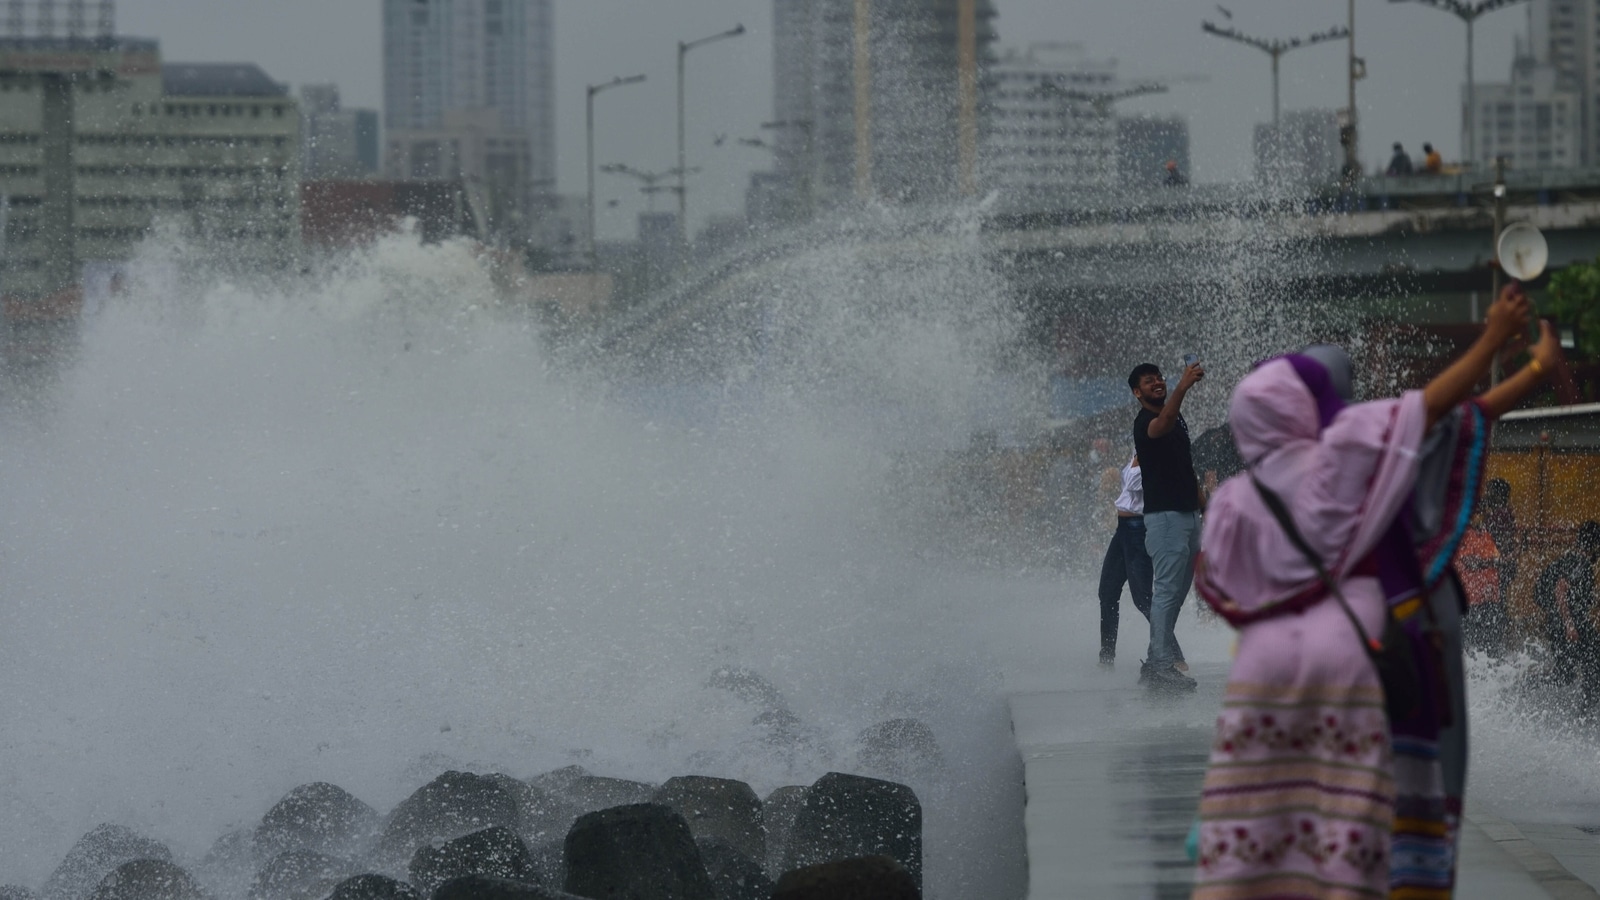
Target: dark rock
{"points": [[15, 892], [900, 748], [544, 814], [373, 887], [549, 857], [747, 685], [734, 876], [718, 809], [594, 792], [484, 887], [497, 852], [639, 852], [94, 856], [558, 781], [863, 878], [148, 879], [847, 816], [229, 866], [317, 816], [454, 804], [299, 875], [778, 813]]}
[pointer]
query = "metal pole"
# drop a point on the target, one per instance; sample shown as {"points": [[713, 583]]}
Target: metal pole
{"points": [[683, 175], [1472, 107], [1352, 157], [594, 89], [683, 172], [967, 61], [589, 116], [862, 72], [1499, 224], [1275, 54]]}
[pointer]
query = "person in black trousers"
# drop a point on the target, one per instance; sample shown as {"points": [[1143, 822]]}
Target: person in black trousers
{"points": [[1126, 562]]}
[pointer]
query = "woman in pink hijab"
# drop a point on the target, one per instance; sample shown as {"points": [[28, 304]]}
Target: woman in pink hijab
{"points": [[1314, 789]]}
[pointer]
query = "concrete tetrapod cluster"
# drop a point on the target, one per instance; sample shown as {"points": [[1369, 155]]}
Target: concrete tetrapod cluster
{"points": [[563, 834]]}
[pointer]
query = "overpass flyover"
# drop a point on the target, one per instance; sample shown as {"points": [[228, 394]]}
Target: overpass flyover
{"points": [[1075, 263]]}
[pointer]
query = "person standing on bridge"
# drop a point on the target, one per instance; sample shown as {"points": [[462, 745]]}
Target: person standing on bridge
{"points": [[1399, 163], [1334, 550], [1171, 513], [1432, 162]]}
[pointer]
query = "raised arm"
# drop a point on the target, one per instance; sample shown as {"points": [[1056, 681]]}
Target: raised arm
{"points": [[1508, 315], [1168, 418], [1547, 357]]}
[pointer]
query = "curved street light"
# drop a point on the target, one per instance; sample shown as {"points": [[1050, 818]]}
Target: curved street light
{"points": [[683, 166], [594, 89], [1275, 48], [1468, 13]]}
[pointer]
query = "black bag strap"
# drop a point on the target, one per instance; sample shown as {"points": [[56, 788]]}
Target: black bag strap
{"points": [[1281, 513]]}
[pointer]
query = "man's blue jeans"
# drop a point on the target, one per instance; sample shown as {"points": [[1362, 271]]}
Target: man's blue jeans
{"points": [[1172, 539]]}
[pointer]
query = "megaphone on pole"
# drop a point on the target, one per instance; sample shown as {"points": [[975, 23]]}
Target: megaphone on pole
{"points": [[1523, 251]]}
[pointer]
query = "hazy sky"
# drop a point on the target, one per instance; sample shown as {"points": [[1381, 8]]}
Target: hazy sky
{"points": [[1415, 61]]}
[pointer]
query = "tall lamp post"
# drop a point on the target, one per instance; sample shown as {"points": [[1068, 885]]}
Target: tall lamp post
{"points": [[1276, 48], [589, 113], [1468, 13], [683, 165]]}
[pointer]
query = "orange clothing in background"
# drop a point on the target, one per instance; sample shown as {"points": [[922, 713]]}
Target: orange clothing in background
{"points": [[1478, 564]]}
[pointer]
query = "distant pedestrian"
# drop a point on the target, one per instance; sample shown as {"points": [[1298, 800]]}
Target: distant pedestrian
{"points": [[1335, 546], [1174, 177], [1432, 162], [1126, 562], [1171, 513], [1399, 163], [1565, 594]]}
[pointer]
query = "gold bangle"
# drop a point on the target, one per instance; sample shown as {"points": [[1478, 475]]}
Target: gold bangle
{"points": [[1537, 367]]}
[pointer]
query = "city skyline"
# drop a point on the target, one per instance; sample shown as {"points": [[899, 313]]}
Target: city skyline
{"points": [[1407, 97]]}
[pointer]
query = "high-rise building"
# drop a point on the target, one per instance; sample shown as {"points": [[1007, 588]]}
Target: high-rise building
{"points": [[104, 142], [472, 81], [338, 142], [871, 102], [1532, 120], [1044, 133]]}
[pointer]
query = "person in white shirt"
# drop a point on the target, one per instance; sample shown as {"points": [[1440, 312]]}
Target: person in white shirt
{"points": [[1126, 562]]}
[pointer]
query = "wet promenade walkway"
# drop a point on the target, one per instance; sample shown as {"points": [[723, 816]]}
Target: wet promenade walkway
{"points": [[1113, 777]]}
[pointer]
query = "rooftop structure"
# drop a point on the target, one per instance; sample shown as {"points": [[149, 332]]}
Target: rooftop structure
{"points": [[95, 151]]}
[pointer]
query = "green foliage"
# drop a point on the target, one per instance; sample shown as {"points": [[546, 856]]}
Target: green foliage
{"points": [[1574, 299]]}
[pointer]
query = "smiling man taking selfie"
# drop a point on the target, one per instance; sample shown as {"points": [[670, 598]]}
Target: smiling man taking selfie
{"points": [[1171, 512]]}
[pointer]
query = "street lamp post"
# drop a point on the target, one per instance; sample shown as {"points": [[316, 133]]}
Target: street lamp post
{"points": [[589, 114], [1468, 13], [1276, 48], [683, 165]]}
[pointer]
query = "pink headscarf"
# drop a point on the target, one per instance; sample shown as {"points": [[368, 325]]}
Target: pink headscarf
{"points": [[1343, 482]]}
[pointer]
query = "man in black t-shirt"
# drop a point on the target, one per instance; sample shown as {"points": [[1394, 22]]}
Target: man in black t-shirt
{"points": [[1171, 512]]}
